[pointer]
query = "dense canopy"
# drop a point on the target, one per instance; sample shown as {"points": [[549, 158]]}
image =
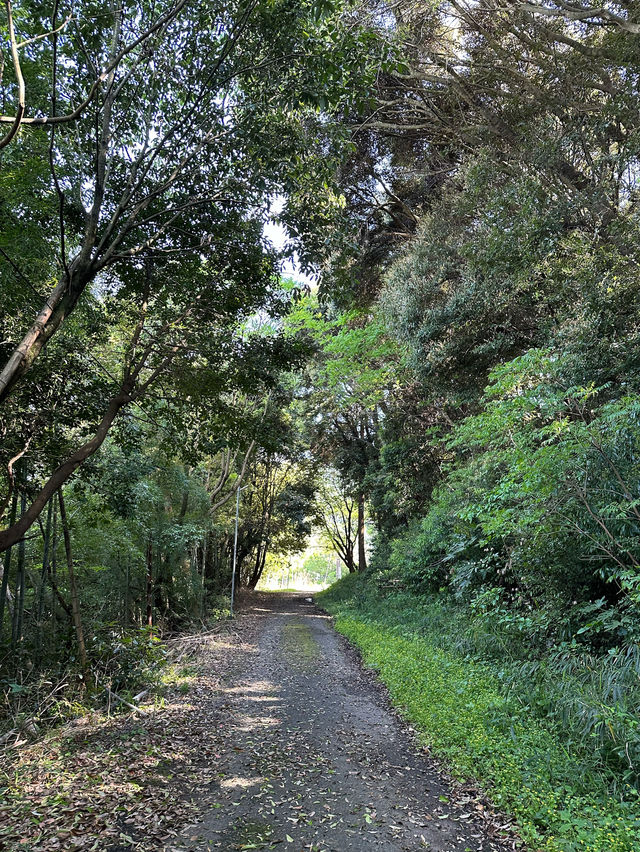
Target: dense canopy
{"points": [[365, 273]]}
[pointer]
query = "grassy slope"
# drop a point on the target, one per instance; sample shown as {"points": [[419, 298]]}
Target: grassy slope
{"points": [[482, 734]]}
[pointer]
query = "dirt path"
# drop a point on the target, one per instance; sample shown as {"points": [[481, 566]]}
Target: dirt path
{"points": [[270, 735], [310, 757]]}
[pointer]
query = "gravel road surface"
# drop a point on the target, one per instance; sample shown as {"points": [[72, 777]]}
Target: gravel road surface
{"points": [[312, 757]]}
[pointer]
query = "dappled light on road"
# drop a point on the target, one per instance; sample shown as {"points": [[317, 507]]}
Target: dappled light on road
{"points": [[312, 756]]}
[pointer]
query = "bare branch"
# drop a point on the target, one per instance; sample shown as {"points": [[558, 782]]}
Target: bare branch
{"points": [[16, 120], [46, 35], [116, 59], [575, 12]]}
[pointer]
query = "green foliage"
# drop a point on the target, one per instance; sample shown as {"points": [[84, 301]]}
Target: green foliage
{"points": [[127, 661], [474, 376], [356, 359], [141, 230], [538, 498], [320, 567]]}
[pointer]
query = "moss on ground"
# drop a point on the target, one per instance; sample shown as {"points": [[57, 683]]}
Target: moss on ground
{"points": [[299, 643]]}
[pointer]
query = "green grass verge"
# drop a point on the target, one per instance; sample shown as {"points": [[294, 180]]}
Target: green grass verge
{"points": [[460, 712]]}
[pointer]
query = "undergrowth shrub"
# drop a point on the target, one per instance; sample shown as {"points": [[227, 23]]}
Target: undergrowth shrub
{"points": [[127, 661]]}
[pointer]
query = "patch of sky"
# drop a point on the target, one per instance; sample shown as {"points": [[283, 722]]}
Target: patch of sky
{"points": [[277, 236]]}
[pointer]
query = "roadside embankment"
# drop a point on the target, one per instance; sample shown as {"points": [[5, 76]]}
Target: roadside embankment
{"points": [[482, 730]]}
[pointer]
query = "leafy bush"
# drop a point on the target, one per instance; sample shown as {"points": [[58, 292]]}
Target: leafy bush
{"points": [[541, 502], [127, 661]]}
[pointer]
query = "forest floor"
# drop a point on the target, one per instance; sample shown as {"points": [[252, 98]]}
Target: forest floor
{"points": [[276, 738]]}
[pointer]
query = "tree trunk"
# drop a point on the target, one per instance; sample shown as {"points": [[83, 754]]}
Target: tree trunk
{"points": [[204, 573], [256, 566], [4, 587], [12, 534], [362, 558], [259, 566], [53, 575], [73, 586], [18, 607], [150, 583], [58, 306], [127, 595], [58, 600], [160, 585], [45, 563]]}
